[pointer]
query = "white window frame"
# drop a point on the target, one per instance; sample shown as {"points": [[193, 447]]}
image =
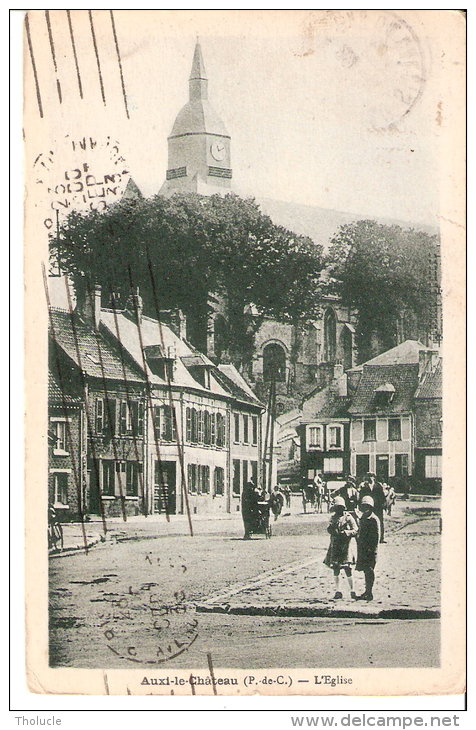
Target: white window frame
{"points": [[55, 422], [327, 462], [320, 431], [435, 471], [56, 503], [340, 427]]}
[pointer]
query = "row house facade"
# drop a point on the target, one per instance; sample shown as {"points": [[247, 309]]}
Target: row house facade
{"points": [[383, 416], [167, 430], [66, 445]]}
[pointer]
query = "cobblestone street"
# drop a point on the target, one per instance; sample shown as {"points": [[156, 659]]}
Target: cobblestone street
{"points": [[139, 592]]}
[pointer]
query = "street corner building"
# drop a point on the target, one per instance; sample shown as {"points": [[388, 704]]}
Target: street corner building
{"points": [[384, 416], [140, 422]]}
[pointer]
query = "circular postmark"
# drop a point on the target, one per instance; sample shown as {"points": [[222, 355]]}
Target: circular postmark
{"points": [[376, 60], [143, 627]]}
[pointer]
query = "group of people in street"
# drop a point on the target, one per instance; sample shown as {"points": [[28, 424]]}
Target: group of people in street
{"points": [[356, 529], [356, 526]]}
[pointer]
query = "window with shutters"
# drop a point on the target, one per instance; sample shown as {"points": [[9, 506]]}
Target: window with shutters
{"points": [[205, 479], [132, 478], [206, 428], [236, 477], [99, 415], [194, 430], [244, 466], [108, 478], [156, 415], [110, 416], [246, 438], [200, 427], [237, 428], [192, 478], [213, 429], [168, 423], [188, 424], [219, 481], [254, 430], [124, 418], [220, 430]]}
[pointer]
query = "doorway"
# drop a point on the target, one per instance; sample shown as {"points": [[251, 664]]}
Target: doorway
{"points": [[362, 465], [165, 492], [382, 468]]}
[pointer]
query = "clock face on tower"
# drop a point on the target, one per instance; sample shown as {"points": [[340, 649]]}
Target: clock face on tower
{"points": [[218, 151]]}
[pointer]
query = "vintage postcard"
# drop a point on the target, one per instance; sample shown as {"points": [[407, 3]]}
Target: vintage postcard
{"points": [[245, 366]]}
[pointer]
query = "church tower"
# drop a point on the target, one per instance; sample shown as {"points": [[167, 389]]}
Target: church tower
{"points": [[199, 144]]}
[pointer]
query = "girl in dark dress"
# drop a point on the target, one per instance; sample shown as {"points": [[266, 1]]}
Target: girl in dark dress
{"points": [[340, 555]]}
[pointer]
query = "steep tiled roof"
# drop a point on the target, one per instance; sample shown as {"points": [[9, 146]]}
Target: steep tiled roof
{"points": [[231, 380], [406, 353], [150, 333], [326, 404], [55, 393], [95, 352], [431, 385], [404, 378]]}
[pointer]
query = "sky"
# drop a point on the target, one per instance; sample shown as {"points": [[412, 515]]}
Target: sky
{"points": [[343, 110]]}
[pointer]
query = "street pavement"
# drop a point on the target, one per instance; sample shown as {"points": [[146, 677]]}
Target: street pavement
{"points": [[254, 603]]}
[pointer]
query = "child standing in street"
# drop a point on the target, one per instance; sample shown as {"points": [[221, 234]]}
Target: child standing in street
{"points": [[340, 556]]}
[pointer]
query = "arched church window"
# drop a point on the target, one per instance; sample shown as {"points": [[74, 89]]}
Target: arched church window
{"points": [[330, 328], [345, 342], [274, 362]]}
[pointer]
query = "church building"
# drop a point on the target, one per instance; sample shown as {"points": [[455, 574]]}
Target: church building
{"points": [[295, 358]]}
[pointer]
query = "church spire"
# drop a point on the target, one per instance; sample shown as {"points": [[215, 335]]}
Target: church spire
{"points": [[198, 83]]}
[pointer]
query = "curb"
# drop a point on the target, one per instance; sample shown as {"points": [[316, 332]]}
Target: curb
{"points": [[315, 612]]}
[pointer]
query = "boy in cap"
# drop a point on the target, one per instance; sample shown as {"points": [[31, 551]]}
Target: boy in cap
{"points": [[367, 545], [372, 488]]}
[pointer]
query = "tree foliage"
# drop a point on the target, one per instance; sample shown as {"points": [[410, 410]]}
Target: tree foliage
{"points": [[384, 272], [179, 250]]}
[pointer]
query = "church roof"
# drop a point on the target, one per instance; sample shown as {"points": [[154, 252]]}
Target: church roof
{"points": [[131, 191], [198, 117], [407, 353]]}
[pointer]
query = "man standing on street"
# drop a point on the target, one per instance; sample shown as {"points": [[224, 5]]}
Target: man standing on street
{"points": [[372, 488], [367, 546]]}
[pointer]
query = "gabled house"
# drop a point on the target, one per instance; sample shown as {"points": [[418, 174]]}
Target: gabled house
{"points": [[381, 435], [324, 430], [203, 421], [428, 414], [112, 395], [66, 446]]}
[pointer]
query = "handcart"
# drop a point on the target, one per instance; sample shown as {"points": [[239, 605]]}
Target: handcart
{"points": [[261, 524]]}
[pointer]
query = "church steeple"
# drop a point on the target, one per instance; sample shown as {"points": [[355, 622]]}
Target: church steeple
{"points": [[198, 82], [199, 144]]}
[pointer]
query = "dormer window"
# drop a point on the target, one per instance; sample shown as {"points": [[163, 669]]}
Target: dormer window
{"points": [[160, 363], [199, 368], [384, 395]]}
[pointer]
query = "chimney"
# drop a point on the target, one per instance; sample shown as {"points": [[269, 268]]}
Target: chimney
{"points": [[338, 385], [89, 305], [134, 306], [176, 320], [427, 362]]}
